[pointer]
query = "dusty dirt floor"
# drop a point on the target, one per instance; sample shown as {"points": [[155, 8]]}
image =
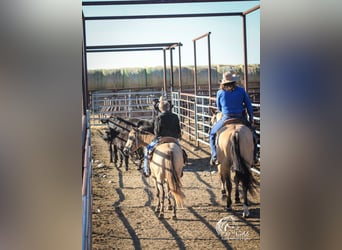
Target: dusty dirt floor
{"points": [[123, 205]]}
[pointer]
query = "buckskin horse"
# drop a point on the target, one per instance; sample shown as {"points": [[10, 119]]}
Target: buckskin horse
{"points": [[235, 152], [166, 167]]}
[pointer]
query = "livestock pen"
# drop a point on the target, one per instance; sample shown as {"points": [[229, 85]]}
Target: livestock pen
{"points": [[117, 205]]}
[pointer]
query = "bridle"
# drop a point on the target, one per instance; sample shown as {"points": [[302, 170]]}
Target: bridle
{"points": [[135, 142]]}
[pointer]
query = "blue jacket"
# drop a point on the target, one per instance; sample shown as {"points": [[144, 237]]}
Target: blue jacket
{"points": [[234, 102]]}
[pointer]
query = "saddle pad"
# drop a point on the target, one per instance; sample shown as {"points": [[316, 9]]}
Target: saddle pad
{"points": [[234, 121], [167, 139], [227, 122]]}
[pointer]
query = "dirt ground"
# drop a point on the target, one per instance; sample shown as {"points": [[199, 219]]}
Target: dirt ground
{"points": [[123, 208]]}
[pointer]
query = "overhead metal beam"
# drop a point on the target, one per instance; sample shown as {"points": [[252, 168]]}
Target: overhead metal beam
{"points": [[99, 3], [251, 10], [163, 16], [121, 50], [135, 46]]}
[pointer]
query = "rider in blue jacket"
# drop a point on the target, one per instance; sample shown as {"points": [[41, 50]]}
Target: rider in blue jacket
{"points": [[232, 101]]}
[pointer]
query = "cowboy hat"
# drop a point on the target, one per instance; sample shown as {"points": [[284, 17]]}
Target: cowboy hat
{"points": [[162, 99], [164, 106], [229, 78]]}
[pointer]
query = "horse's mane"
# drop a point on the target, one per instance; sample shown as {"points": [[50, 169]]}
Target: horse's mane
{"points": [[146, 126], [126, 121]]}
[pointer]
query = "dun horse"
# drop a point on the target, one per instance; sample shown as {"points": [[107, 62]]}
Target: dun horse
{"points": [[166, 168], [235, 152]]}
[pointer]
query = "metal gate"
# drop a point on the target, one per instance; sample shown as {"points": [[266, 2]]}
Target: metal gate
{"points": [[138, 104]]}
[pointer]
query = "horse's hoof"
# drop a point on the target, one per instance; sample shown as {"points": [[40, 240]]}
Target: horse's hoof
{"points": [[228, 209], [245, 215], [174, 217], [161, 216], [169, 207], [237, 201]]}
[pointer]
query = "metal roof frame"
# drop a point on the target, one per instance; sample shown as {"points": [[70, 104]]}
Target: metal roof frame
{"points": [[86, 229], [157, 46]]}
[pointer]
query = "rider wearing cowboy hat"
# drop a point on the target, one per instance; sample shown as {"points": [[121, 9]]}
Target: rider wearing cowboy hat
{"points": [[231, 100], [165, 124]]}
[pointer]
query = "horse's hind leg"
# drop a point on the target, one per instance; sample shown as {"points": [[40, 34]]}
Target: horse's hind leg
{"points": [[244, 194], [110, 152], [161, 200], [174, 216], [245, 203], [121, 157], [157, 210], [237, 194], [115, 156], [169, 197], [229, 188], [223, 189], [125, 158]]}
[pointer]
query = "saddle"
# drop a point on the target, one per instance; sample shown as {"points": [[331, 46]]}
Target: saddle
{"points": [[167, 139], [236, 121], [232, 121]]}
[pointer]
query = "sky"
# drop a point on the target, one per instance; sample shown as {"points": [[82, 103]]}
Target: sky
{"points": [[226, 37]]}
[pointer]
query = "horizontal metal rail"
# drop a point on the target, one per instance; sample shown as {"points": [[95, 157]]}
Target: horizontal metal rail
{"points": [[195, 115], [137, 104], [105, 3]]}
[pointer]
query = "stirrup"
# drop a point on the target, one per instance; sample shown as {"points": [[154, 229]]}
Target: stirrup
{"points": [[213, 162]]}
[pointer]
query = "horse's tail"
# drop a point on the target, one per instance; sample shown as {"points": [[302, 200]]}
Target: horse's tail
{"points": [[242, 170], [174, 181]]}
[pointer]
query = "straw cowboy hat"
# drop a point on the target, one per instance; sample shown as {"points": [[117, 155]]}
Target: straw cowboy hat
{"points": [[162, 99], [229, 78], [164, 106]]}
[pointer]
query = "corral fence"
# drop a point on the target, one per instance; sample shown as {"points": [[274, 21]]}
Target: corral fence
{"points": [[126, 104], [86, 183], [194, 111]]}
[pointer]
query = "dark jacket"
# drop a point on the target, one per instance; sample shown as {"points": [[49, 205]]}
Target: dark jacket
{"points": [[167, 124]]}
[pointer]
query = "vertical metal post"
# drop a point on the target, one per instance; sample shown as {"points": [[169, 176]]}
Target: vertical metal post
{"points": [[93, 106], [85, 69], [195, 69], [209, 67], [245, 72], [195, 90], [164, 55], [171, 69], [180, 69]]}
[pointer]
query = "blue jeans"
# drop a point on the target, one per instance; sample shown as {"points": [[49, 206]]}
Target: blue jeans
{"points": [[212, 135], [149, 148]]}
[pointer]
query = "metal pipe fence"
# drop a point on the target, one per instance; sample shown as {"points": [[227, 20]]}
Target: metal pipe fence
{"points": [[195, 113], [138, 104], [87, 189]]}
